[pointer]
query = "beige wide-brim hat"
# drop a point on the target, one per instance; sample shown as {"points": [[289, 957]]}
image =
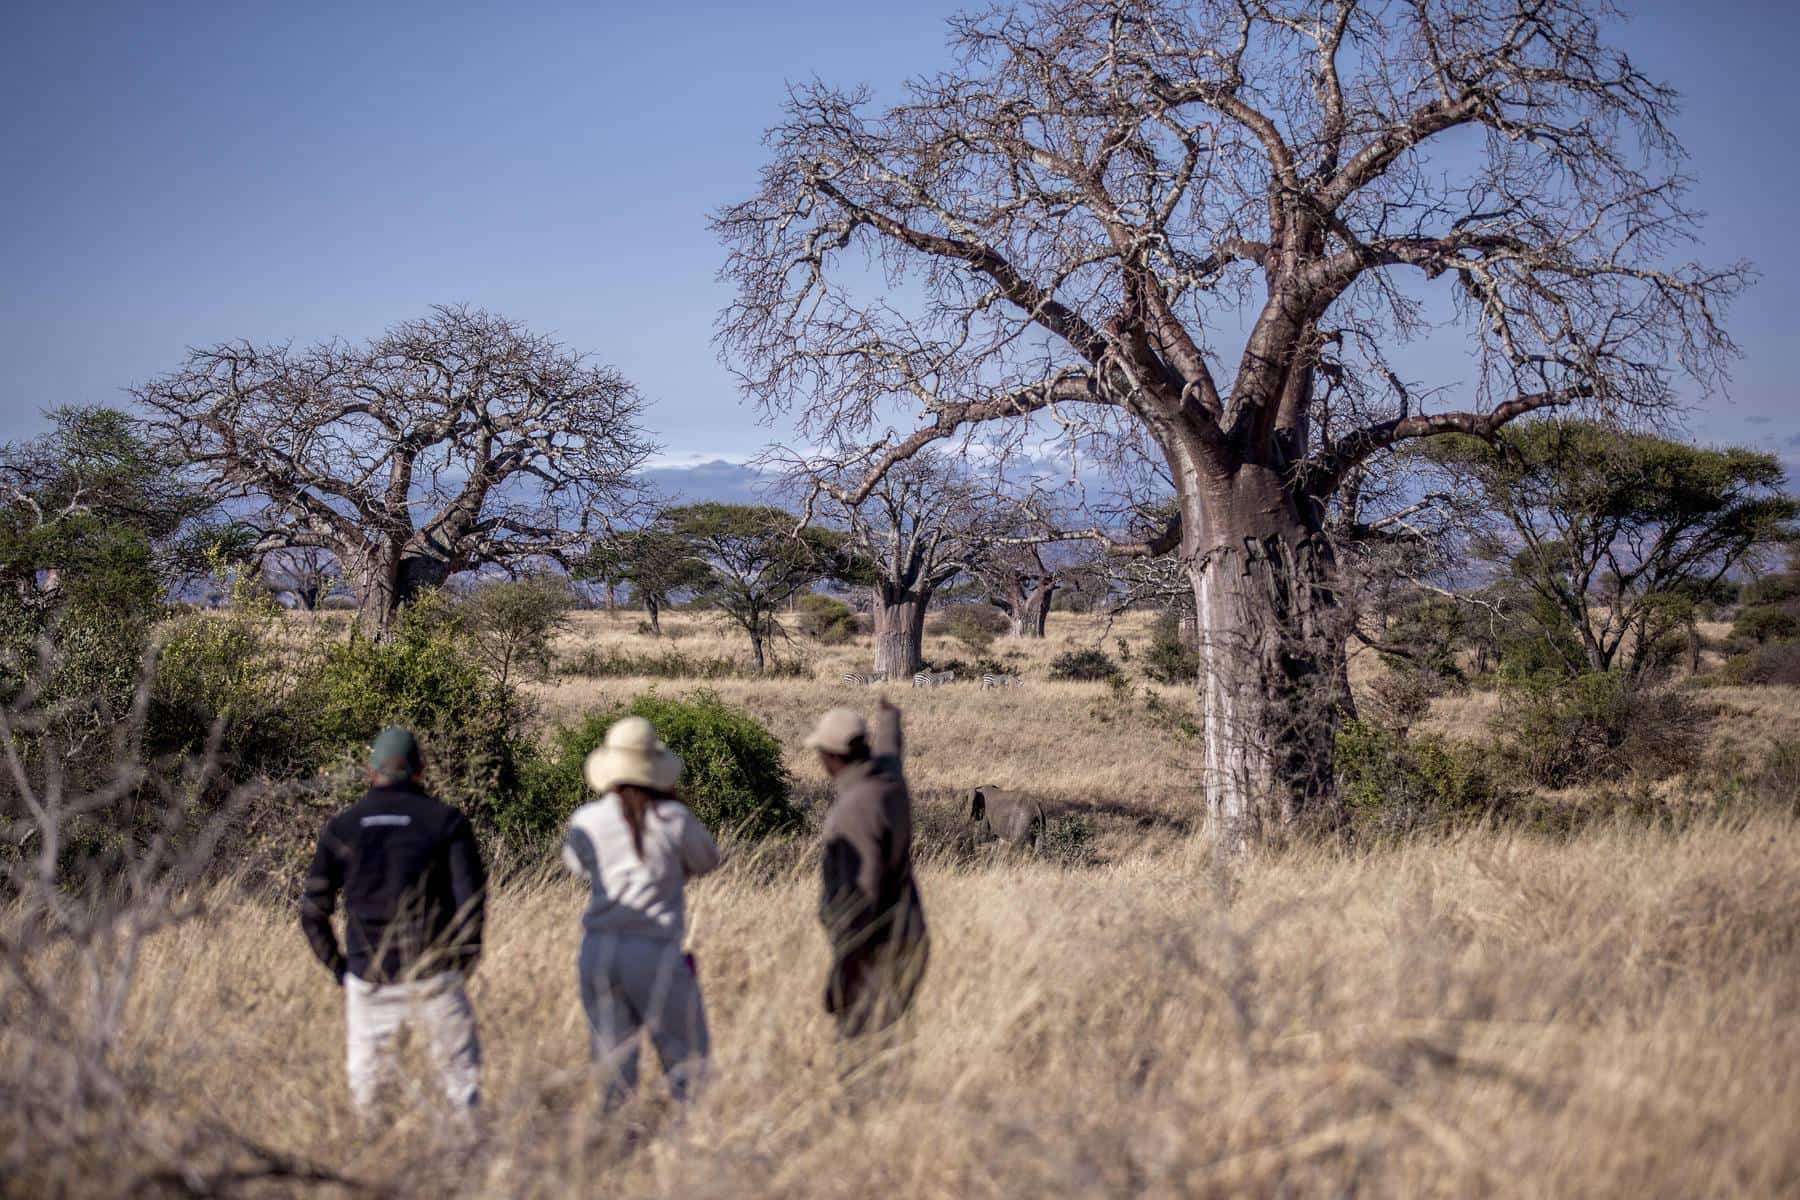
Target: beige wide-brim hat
{"points": [[632, 753], [836, 730]]}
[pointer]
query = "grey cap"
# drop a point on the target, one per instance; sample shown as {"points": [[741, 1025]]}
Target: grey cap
{"points": [[395, 753]]}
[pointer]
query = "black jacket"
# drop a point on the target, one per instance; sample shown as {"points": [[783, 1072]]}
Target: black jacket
{"points": [[413, 885]]}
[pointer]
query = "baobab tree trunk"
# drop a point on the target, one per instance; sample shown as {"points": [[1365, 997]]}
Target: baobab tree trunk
{"points": [[900, 630], [1034, 614], [1270, 638], [393, 580], [1027, 610]]}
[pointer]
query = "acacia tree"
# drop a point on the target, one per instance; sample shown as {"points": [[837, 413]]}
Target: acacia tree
{"points": [[654, 561], [922, 524], [446, 444], [1614, 535], [1202, 229], [756, 559]]}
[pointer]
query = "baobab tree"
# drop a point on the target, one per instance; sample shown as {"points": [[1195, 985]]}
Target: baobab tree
{"points": [[922, 524], [448, 443], [1205, 230], [307, 573]]}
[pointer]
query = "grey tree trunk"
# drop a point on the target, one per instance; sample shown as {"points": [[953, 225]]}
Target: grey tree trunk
{"points": [[900, 630], [1036, 615], [392, 581], [653, 610], [1271, 645]]}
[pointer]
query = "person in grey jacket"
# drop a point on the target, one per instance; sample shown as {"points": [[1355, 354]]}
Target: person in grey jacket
{"points": [[869, 902], [637, 846]]}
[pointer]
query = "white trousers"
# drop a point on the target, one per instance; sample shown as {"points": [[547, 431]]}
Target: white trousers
{"points": [[438, 1007]]}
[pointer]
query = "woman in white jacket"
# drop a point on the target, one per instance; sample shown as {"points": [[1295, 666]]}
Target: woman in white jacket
{"points": [[638, 845]]}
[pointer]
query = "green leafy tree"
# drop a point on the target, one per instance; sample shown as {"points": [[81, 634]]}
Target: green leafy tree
{"points": [[1614, 536], [756, 559], [514, 622], [96, 526], [655, 562]]}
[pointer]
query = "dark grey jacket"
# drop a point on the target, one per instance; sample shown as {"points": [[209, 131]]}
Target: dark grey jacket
{"points": [[869, 903]]}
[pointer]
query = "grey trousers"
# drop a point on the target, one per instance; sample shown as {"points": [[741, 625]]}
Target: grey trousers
{"points": [[438, 1007], [630, 985]]}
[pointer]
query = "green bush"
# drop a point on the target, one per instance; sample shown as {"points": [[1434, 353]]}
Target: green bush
{"points": [[735, 778], [1782, 587], [1598, 726], [1777, 663], [974, 625], [426, 678], [1393, 784], [1764, 624], [1088, 665], [826, 620], [226, 671], [513, 622], [1169, 659]]}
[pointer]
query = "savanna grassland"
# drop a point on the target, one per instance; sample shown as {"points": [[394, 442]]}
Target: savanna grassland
{"points": [[1491, 1011]]}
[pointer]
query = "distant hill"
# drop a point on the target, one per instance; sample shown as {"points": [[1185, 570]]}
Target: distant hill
{"points": [[717, 479]]}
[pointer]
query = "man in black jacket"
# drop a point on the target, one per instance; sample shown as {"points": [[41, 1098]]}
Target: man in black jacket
{"points": [[414, 890]]}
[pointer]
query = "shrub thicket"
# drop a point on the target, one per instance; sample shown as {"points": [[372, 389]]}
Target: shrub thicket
{"points": [[1557, 732], [974, 625], [512, 623], [826, 619], [225, 674], [735, 777], [1392, 784], [1170, 659], [1765, 623], [425, 678], [1088, 665]]}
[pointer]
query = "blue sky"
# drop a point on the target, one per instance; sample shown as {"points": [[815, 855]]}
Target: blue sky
{"points": [[182, 173]]}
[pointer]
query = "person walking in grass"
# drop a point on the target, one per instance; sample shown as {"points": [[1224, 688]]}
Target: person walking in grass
{"points": [[414, 891], [637, 846], [869, 903]]}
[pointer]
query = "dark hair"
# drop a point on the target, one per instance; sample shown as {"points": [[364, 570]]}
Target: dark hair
{"points": [[634, 801], [857, 750]]}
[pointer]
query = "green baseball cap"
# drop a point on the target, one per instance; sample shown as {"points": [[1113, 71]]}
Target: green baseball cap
{"points": [[395, 753]]}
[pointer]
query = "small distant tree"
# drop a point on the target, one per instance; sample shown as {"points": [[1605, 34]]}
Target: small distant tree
{"points": [[514, 622], [910, 532], [655, 562], [449, 443], [1614, 534], [307, 573], [757, 558], [1021, 581]]}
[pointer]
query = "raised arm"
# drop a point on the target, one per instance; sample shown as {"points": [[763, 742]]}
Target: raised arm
{"points": [[885, 740]]}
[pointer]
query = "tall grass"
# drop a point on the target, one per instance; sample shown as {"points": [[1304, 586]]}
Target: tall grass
{"points": [[1618, 1014]]}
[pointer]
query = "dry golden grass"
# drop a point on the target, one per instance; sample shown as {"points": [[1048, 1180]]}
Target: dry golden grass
{"points": [[1488, 1014], [1619, 1015]]}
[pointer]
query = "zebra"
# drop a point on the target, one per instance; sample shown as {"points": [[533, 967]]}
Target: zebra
{"points": [[932, 679], [855, 680], [990, 680]]}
